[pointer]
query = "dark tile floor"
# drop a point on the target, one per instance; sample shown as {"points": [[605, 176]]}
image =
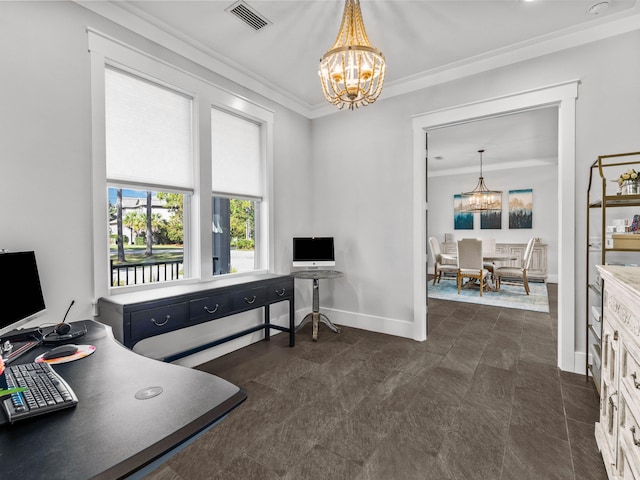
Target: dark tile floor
{"points": [[480, 399]]}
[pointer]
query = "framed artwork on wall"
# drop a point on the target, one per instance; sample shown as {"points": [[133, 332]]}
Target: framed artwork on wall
{"points": [[461, 220], [521, 208], [491, 220]]}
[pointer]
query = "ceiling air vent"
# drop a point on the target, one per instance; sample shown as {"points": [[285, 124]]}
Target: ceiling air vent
{"points": [[248, 15]]}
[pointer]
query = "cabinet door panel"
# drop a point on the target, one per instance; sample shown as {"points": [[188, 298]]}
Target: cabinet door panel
{"points": [[609, 396], [630, 371], [629, 438]]}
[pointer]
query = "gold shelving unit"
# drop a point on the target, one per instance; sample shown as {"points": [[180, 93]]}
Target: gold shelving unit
{"points": [[600, 201]]}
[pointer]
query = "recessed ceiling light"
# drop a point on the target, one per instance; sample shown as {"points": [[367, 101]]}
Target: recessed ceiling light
{"points": [[598, 7]]}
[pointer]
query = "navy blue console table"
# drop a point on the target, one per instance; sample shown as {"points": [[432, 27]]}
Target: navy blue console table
{"points": [[140, 315]]}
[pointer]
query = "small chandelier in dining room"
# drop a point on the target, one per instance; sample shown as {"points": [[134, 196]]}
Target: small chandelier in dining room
{"points": [[352, 71], [481, 199]]}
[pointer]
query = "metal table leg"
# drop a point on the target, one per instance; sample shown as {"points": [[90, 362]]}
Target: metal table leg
{"points": [[315, 316]]}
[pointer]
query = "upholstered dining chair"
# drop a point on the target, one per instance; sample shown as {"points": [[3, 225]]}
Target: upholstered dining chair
{"points": [[436, 258], [519, 273], [470, 264], [489, 247]]}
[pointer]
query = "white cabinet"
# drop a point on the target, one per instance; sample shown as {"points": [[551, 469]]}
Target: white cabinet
{"points": [[618, 429]]}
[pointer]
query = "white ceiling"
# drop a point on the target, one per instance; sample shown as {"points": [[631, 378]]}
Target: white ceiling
{"points": [[523, 139], [416, 37], [424, 42]]}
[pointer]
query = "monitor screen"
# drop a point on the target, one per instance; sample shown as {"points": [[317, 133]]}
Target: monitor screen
{"points": [[20, 290], [313, 252]]}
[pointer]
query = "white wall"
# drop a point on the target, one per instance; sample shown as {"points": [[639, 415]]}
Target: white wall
{"points": [[543, 181], [348, 174], [45, 177], [372, 148]]}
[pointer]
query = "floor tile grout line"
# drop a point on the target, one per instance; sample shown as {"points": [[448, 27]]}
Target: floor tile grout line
{"points": [[513, 394], [566, 425]]}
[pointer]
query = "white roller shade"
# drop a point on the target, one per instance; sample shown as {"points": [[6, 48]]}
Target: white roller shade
{"points": [[148, 132], [235, 150]]}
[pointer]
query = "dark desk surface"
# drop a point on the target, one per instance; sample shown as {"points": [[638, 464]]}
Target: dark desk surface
{"points": [[110, 433]]}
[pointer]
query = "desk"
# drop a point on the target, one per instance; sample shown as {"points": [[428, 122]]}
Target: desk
{"points": [[315, 316], [110, 434]]}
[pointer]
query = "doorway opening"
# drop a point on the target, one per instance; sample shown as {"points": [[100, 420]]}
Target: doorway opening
{"points": [[563, 96]]}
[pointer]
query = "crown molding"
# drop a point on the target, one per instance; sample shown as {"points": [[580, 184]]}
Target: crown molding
{"points": [[534, 162], [181, 44], [198, 53]]}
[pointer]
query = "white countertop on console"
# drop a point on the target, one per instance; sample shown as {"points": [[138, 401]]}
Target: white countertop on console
{"points": [[629, 277]]}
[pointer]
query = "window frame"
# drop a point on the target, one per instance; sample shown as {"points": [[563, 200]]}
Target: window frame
{"points": [[206, 95]]}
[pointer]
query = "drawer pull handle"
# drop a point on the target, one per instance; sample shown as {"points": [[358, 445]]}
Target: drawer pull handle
{"points": [[215, 309], [635, 382], [633, 436], [166, 319], [253, 299], [284, 290]]}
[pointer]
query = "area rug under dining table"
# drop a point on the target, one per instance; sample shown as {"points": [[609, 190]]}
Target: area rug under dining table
{"points": [[509, 296]]}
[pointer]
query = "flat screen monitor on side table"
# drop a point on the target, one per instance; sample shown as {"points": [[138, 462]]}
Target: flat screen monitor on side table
{"points": [[314, 252]]}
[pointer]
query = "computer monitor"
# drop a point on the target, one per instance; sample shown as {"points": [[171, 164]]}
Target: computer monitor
{"points": [[20, 290], [312, 252]]}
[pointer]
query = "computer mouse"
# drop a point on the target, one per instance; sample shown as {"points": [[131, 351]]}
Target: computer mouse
{"points": [[60, 351]]}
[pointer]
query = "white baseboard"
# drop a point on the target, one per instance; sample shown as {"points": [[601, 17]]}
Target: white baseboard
{"points": [[373, 323], [579, 363]]}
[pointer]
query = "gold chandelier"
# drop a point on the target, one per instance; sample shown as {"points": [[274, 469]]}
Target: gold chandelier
{"points": [[352, 71], [481, 199]]}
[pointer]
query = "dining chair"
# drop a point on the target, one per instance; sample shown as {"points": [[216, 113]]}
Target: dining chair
{"points": [[470, 263], [436, 258], [488, 248], [520, 272]]}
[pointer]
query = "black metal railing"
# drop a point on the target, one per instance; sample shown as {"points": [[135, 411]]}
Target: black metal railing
{"points": [[151, 272]]}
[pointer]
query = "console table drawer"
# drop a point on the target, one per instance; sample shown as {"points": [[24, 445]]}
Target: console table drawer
{"points": [[209, 308], [280, 291], [247, 299], [154, 321]]}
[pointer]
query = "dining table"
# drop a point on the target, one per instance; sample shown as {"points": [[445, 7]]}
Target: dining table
{"points": [[486, 257]]}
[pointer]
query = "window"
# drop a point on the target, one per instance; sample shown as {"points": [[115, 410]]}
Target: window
{"points": [[148, 143], [146, 236], [181, 174], [236, 180]]}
